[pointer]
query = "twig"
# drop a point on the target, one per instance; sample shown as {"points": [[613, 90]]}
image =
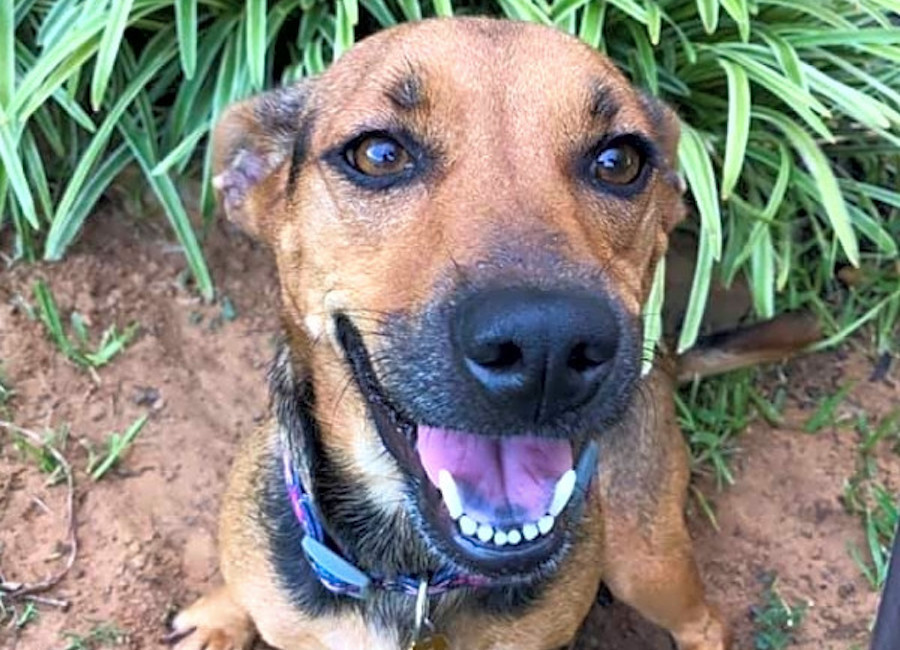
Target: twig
{"points": [[28, 591]]}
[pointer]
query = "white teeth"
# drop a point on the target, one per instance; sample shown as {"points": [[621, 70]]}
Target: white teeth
{"points": [[450, 493], [467, 525], [563, 492], [545, 524]]}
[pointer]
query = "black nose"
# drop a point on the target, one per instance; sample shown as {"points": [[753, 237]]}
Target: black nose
{"points": [[540, 353]]}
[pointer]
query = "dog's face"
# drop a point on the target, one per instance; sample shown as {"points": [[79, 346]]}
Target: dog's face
{"points": [[466, 216]]}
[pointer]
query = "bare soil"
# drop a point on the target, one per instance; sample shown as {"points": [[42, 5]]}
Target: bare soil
{"points": [[147, 530]]}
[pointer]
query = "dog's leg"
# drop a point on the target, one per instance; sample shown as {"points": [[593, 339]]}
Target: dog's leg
{"points": [[648, 559], [214, 622]]}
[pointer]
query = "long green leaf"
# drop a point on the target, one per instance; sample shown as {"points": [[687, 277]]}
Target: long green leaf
{"points": [[109, 49], [740, 14], [15, 173], [762, 274], [738, 133], [7, 52], [591, 30], [186, 22], [699, 294], [167, 194], [698, 170], [709, 14], [826, 183], [157, 55], [653, 321], [255, 31]]}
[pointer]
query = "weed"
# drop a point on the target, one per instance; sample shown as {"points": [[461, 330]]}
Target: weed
{"points": [[29, 615], [102, 634], [878, 510], [47, 462], [825, 414], [116, 445], [711, 413], [111, 343], [774, 619]]}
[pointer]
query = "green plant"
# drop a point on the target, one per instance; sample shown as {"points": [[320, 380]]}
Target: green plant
{"points": [[111, 343], [774, 619], [790, 113], [866, 496], [43, 454], [102, 634], [28, 615], [116, 445]]}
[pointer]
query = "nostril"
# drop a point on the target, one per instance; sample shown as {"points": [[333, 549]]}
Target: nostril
{"points": [[497, 356], [585, 357]]}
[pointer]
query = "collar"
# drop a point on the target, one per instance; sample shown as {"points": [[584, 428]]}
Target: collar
{"points": [[339, 574]]}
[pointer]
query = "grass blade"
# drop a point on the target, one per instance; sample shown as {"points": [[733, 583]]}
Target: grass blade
{"points": [[15, 174], [709, 14], [698, 170], [762, 274], [826, 184], [168, 196], [699, 294], [653, 323], [109, 49], [738, 133], [740, 14], [256, 42], [591, 29], [186, 22], [158, 53], [7, 52]]}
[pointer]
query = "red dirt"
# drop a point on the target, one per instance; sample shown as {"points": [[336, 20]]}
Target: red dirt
{"points": [[147, 530]]}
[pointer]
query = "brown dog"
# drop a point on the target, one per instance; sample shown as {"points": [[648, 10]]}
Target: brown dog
{"points": [[466, 216]]}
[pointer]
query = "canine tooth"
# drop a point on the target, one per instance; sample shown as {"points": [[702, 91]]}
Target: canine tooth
{"points": [[450, 493], [563, 492], [529, 531], [467, 525], [545, 524], [513, 537], [485, 532], [500, 538]]}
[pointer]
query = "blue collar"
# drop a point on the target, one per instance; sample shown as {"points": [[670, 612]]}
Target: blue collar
{"points": [[338, 574]]}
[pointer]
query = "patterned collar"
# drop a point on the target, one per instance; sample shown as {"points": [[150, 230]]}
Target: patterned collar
{"points": [[338, 574]]}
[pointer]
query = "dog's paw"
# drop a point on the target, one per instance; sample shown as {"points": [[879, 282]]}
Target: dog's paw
{"points": [[215, 622], [710, 634]]}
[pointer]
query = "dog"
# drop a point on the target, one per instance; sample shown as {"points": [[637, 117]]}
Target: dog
{"points": [[466, 216]]}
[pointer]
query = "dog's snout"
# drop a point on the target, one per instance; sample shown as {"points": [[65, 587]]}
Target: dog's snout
{"points": [[537, 353]]}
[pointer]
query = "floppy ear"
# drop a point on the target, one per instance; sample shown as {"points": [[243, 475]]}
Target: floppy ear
{"points": [[256, 144], [667, 129]]}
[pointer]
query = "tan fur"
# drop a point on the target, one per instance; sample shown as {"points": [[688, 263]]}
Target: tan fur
{"points": [[507, 127]]}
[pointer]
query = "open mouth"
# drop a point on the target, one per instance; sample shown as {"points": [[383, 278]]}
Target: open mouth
{"points": [[503, 507]]}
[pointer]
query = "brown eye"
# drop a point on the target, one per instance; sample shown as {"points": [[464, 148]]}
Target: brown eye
{"points": [[379, 155], [618, 164]]}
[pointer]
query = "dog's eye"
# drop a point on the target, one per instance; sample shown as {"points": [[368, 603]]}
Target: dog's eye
{"points": [[619, 163], [379, 155]]}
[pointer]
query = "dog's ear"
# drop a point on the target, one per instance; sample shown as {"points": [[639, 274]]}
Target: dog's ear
{"points": [[667, 129], [254, 151]]}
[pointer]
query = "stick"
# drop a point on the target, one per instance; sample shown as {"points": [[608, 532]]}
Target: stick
{"points": [[28, 591]]}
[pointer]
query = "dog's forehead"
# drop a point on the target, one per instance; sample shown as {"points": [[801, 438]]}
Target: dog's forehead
{"points": [[467, 69]]}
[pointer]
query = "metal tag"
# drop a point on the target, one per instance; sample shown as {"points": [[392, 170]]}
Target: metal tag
{"points": [[424, 636], [431, 642]]}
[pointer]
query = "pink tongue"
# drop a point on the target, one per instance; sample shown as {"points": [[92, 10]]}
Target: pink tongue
{"points": [[499, 478]]}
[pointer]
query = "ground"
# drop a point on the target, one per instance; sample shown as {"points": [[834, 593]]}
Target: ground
{"points": [[147, 528]]}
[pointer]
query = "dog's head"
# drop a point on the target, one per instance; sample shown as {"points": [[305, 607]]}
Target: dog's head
{"points": [[466, 216]]}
